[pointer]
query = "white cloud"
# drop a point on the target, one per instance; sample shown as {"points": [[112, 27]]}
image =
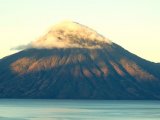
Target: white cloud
{"points": [[68, 34]]}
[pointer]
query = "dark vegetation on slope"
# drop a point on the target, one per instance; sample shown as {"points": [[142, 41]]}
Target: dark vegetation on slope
{"points": [[79, 73]]}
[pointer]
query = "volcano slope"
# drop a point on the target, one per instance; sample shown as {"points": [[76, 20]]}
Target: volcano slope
{"points": [[73, 61]]}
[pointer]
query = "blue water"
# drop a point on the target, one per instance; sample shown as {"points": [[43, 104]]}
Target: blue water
{"points": [[78, 110]]}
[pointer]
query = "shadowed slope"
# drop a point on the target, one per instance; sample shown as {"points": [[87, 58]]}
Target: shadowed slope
{"points": [[108, 73]]}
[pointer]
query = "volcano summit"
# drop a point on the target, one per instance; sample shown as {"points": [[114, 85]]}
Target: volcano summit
{"points": [[68, 34], [73, 61]]}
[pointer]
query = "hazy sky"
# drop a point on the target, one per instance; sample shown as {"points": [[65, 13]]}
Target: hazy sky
{"points": [[133, 24]]}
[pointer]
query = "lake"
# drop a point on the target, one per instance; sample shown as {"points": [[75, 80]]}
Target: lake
{"points": [[20, 109]]}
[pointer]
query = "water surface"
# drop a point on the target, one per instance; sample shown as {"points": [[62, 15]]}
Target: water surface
{"points": [[13, 109]]}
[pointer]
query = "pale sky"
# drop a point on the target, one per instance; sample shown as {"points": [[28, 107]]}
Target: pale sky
{"points": [[133, 24]]}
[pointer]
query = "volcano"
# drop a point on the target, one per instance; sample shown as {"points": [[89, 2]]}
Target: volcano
{"points": [[72, 61]]}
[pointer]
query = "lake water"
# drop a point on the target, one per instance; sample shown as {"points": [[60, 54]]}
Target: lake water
{"points": [[78, 110]]}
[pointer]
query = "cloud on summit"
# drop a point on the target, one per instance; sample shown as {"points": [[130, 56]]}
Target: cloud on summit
{"points": [[22, 47]]}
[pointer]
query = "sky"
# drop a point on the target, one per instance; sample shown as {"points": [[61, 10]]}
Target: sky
{"points": [[133, 24]]}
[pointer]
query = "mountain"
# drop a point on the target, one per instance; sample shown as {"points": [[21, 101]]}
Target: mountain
{"points": [[72, 61]]}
